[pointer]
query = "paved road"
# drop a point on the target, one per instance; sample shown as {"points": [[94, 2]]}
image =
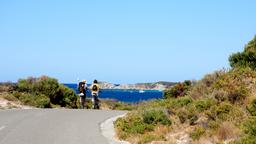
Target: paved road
{"points": [[53, 126]]}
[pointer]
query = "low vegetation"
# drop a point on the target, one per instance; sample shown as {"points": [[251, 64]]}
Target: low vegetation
{"points": [[43, 92], [220, 108]]}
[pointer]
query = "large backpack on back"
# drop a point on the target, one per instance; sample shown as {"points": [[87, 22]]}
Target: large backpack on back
{"points": [[95, 88]]}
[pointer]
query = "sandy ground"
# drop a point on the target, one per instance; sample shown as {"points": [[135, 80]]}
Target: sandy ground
{"points": [[5, 104]]}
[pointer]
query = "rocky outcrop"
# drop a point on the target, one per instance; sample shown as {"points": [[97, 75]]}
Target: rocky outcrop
{"points": [[138, 86]]}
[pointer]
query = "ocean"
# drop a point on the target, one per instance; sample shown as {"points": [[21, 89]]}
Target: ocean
{"points": [[128, 96]]}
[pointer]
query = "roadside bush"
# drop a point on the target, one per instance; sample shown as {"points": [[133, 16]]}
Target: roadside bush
{"points": [[42, 101], [26, 85], [40, 88], [131, 125], [154, 117], [68, 97], [141, 123], [49, 87]]}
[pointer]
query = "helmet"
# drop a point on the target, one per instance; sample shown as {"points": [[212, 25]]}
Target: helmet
{"points": [[84, 81], [95, 81]]}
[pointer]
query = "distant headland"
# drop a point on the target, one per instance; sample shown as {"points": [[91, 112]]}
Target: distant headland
{"points": [[161, 85]]}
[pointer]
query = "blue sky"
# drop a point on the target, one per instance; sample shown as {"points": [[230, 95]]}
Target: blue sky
{"points": [[124, 41]]}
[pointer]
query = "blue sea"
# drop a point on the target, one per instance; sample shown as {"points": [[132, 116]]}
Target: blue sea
{"points": [[129, 96]]}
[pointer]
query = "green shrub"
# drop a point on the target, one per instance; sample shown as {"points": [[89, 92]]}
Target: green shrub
{"points": [[42, 101], [131, 125], [68, 97], [247, 140], [189, 114], [179, 102], [178, 90], [197, 133], [221, 111], [154, 117], [247, 58], [252, 107], [213, 124], [140, 122], [40, 88], [204, 104], [26, 85], [249, 126]]}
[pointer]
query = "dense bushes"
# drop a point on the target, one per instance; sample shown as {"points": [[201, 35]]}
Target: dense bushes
{"points": [[141, 122], [154, 117], [45, 92], [247, 58]]}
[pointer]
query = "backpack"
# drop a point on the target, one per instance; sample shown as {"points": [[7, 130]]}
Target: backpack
{"points": [[95, 88], [81, 87]]}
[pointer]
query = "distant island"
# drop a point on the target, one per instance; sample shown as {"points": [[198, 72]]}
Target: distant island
{"points": [[161, 85]]}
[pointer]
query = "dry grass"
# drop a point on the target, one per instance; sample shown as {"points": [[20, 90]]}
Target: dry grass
{"points": [[227, 131], [163, 130]]}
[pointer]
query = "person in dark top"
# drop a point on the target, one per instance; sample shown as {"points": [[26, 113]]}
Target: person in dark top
{"points": [[82, 88]]}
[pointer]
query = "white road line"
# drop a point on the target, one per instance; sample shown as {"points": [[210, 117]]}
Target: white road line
{"points": [[2, 127]]}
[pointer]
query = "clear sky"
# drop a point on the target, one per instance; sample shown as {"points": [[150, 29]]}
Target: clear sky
{"points": [[121, 41]]}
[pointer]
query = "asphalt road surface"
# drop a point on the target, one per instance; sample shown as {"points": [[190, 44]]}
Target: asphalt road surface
{"points": [[53, 126]]}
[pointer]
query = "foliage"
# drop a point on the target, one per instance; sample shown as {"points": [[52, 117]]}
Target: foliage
{"points": [[204, 104], [154, 117], [44, 89], [40, 101], [247, 58], [203, 88], [142, 123], [188, 113], [249, 127], [252, 107], [235, 84], [178, 90], [197, 133]]}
